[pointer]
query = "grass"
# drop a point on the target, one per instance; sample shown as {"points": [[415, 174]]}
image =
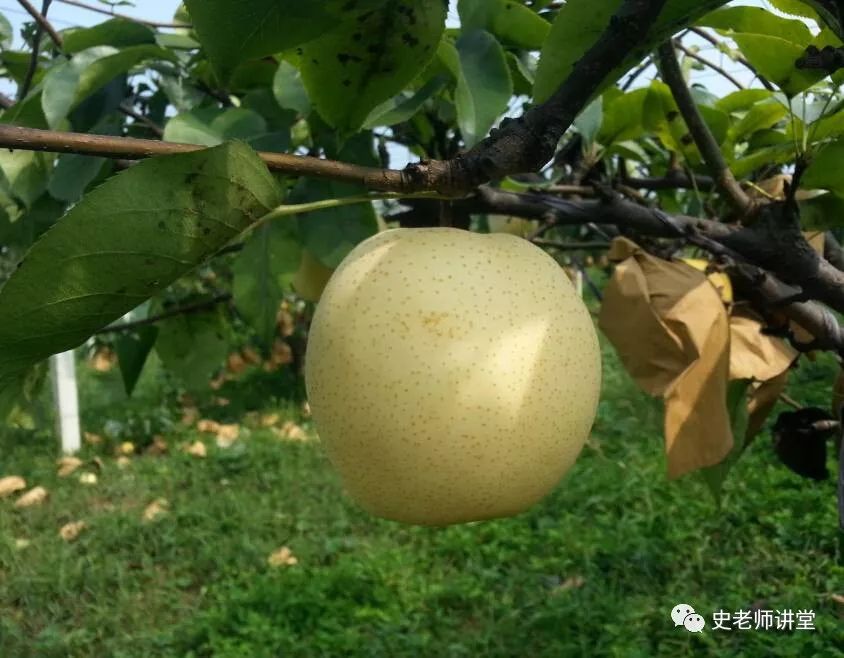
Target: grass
{"points": [[594, 570]]}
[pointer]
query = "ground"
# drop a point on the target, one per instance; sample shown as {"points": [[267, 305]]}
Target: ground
{"points": [[594, 570]]}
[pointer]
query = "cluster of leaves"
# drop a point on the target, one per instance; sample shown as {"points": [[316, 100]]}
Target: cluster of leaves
{"points": [[353, 81]]}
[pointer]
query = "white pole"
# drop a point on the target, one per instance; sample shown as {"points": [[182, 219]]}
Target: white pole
{"points": [[63, 367], [578, 282]]}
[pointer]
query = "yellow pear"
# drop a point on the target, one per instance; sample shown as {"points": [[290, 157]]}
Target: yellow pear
{"points": [[512, 225], [452, 376], [311, 277]]}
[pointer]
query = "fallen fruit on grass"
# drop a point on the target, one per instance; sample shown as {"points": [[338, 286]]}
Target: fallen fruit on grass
{"points": [[452, 376]]}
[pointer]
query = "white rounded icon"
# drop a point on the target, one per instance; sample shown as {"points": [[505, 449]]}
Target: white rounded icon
{"points": [[678, 614], [694, 623]]}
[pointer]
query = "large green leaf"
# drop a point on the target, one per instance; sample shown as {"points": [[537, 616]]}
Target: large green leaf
{"points": [[511, 22], [233, 30], [484, 87], [263, 273], [353, 69], [124, 242], [70, 83], [579, 25]]}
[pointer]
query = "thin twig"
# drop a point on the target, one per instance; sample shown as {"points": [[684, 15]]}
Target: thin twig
{"points": [[712, 65], [703, 138], [26, 85], [41, 18], [196, 307], [703, 34], [113, 14], [31, 139], [129, 111]]}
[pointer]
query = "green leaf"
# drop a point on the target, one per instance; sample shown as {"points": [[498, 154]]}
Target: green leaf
{"points": [[714, 476], [742, 100], [289, 90], [70, 83], [822, 212], [331, 234], [7, 36], [623, 116], [484, 87], [124, 242], [263, 273], [758, 117], [579, 25], [826, 169], [405, 106], [117, 32], [133, 348], [193, 347], [72, 176], [774, 58], [755, 20], [24, 174], [511, 22], [232, 31], [764, 157], [361, 64], [213, 126]]}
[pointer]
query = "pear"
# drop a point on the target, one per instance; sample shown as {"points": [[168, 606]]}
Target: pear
{"points": [[452, 376]]}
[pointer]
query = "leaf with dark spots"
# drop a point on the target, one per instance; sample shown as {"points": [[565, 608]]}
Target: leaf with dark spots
{"points": [[233, 31], [361, 64]]}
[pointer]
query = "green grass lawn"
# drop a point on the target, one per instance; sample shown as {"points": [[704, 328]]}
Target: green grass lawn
{"points": [[594, 570]]}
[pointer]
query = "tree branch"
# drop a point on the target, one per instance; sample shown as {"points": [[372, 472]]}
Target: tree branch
{"points": [[703, 34], [766, 289], [712, 65], [196, 307], [42, 21], [526, 144], [30, 139], [102, 10], [708, 147], [26, 85]]}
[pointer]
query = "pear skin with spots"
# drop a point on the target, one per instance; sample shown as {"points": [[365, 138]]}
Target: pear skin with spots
{"points": [[452, 376]]}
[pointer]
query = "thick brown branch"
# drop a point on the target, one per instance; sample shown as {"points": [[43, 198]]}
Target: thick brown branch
{"points": [[526, 144], [703, 138], [30, 139], [103, 10], [790, 262]]}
